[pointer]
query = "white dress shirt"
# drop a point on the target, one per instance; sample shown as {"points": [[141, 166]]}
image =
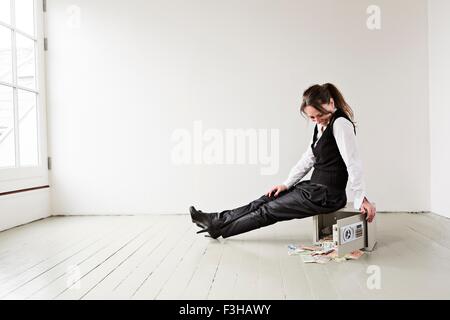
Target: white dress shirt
{"points": [[346, 142]]}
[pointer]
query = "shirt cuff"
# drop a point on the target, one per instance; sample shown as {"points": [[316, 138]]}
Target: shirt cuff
{"points": [[358, 200], [289, 184]]}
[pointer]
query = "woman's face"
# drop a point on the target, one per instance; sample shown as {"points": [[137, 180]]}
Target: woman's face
{"points": [[318, 116]]}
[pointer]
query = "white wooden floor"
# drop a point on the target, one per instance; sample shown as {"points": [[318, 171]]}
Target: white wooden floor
{"points": [[161, 257]]}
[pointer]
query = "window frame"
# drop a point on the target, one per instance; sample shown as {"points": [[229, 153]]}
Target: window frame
{"points": [[12, 179]]}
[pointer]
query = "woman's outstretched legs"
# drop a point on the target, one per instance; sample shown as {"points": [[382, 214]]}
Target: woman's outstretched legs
{"points": [[294, 203], [305, 200]]}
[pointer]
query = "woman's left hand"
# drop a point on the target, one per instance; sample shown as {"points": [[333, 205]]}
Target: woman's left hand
{"points": [[369, 209]]}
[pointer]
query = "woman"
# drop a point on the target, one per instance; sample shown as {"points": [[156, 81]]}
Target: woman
{"points": [[334, 156]]}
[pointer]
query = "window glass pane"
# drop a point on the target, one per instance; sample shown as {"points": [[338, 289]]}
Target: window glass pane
{"points": [[7, 149], [5, 11], [28, 129], [5, 55], [25, 15], [26, 63]]}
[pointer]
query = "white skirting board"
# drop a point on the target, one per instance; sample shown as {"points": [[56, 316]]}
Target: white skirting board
{"points": [[21, 208]]}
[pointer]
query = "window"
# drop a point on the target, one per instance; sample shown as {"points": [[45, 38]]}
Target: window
{"points": [[22, 117]]}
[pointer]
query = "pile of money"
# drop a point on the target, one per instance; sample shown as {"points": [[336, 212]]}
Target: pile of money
{"points": [[322, 252]]}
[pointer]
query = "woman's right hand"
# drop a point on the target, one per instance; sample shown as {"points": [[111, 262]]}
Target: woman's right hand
{"points": [[276, 190]]}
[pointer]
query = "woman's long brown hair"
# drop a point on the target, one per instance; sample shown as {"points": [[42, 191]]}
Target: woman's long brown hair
{"points": [[317, 95]]}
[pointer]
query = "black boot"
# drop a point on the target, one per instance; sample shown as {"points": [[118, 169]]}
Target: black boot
{"points": [[195, 213], [209, 222]]}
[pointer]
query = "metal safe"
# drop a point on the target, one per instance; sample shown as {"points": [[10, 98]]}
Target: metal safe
{"points": [[348, 228]]}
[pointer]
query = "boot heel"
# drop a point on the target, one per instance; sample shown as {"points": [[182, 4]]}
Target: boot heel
{"points": [[211, 233]]}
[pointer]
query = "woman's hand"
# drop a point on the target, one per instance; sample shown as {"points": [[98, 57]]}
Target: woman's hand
{"points": [[369, 209], [277, 190]]}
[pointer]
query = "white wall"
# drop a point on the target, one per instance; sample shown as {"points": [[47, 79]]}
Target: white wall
{"points": [[127, 74], [439, 48]]}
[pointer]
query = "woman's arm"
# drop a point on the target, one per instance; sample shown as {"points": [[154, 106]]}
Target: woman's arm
{"points": [[346, 141], [301, 168]]}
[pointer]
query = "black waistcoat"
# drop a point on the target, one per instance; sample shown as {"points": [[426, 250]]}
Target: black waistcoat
{"points": [[329, 168]]}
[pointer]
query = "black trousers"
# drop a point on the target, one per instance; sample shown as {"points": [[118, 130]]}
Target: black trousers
{"points": [[303, 200]]}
